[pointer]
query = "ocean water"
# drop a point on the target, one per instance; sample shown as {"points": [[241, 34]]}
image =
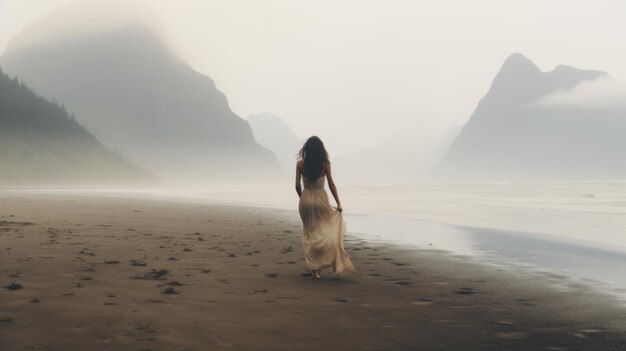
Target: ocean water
{"points": [[577, 230], [589, 213]]}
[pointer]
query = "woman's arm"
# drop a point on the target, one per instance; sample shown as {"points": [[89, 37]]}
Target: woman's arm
{"points": [[333, 187], [298, 178]]}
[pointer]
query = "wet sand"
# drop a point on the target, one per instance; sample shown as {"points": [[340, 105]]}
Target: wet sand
{"points": [[89, 273]]}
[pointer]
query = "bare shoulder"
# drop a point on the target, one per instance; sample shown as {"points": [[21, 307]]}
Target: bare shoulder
{"points": [[327, 167], [299, 164]]}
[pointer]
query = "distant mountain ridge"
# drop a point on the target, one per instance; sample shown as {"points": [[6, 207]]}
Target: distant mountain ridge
{"points": [[274, 134], [511, 136], [131, 91], [40, 144]]}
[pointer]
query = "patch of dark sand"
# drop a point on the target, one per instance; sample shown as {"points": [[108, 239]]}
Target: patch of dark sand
{"points": [[139, 263], [153, 274], [465, 291], [170, 291], [14, 286], [4, 223], [86, 252], [174, 283]]}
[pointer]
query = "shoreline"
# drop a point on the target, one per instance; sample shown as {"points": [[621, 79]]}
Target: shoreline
{"points": [[455, 236], [582, 261], [400, 298]]}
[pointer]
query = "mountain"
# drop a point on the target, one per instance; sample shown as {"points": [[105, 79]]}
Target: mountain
{"points": [[40, 144], [513, 135], [447, 140], [274, 134], [127, 87]]}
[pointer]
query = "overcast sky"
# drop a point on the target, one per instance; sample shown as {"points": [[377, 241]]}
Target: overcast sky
{"points": [[357, 72]]}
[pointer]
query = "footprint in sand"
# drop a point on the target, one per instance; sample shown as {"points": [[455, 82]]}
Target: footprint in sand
{"points": [[139, 263], [14, 286], [271, 275], [86, 252], [400, 281], [174, 283], [153, 274], [400, 264], [170, 291], [403, 282], [465, 291]]}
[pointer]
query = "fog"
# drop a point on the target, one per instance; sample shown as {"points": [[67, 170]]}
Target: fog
{"points": [[373, 79], [601, 93]]}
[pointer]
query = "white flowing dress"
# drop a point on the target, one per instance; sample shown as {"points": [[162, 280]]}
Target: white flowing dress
{"points": [[324, 229]]}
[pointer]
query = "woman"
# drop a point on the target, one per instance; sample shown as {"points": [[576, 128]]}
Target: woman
{"points": [[324, 227]]}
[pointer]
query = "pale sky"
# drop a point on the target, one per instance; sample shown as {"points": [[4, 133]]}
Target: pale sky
{"points": [[357, 72]]}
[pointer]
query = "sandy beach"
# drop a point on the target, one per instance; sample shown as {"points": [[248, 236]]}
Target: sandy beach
{"points": [[90, 273]]}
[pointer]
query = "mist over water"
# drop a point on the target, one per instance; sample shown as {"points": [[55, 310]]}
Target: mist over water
{"points": [[587, 213]]}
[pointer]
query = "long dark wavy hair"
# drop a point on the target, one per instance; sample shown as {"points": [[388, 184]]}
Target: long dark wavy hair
{"points": [[314, 158]]}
